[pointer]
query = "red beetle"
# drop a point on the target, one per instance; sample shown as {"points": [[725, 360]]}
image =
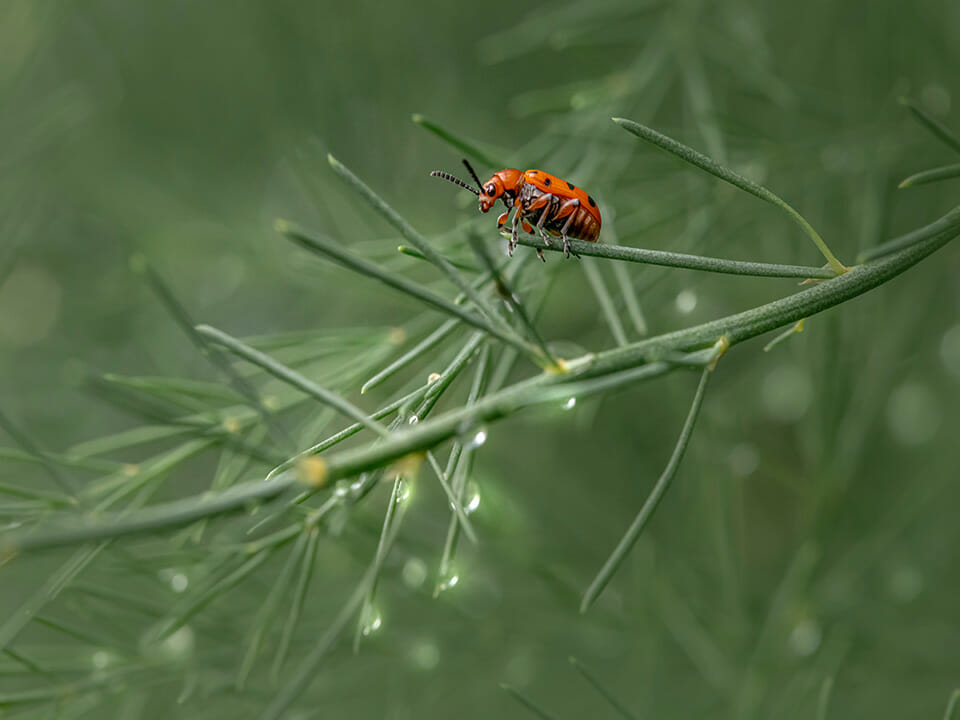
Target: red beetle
{"points": [[551, 205]]}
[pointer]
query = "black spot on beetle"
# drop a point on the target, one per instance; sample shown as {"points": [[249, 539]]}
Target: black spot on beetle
{"points": [[592, 201], [570, 185], [546, 181]]}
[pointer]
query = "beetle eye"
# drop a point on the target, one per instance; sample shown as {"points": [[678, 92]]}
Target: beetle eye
{"points": [[490, 189]]}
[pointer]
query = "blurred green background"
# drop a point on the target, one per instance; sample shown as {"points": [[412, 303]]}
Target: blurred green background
{"points": [[812, 533]]}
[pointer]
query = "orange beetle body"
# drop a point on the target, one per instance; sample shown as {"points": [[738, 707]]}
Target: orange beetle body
{"points": [[552, 206]]}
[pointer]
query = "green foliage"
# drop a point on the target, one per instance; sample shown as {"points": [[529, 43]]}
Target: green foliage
{"points": [[268, 525]]}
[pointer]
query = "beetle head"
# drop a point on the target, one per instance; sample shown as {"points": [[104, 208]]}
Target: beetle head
{"points": [[503, 185]]}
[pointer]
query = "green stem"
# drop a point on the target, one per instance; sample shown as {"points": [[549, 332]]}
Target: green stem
{"points": [[464, 146], [398, 282], [414, 253], [32, 448], [606, 302], [630, 538], [505, 290], [946, 172], [724, 173], [682, 260], [936, 127], [291, 377], [949, 221], [412, 354], [952, 705], [602, 690], [526, 702], [425, 435], [420, 243]]}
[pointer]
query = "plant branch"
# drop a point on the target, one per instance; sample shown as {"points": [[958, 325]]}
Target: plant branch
{"points": [[464, 146], [946, 172], [291, 377], [682, 260], [398, 282], [716, 169], [936, 127], [421, 244], [624, 361], [630, 538]]}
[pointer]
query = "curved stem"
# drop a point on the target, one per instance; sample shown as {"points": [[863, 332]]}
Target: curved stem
{"points": [[632, 362], [683, 260], [630, 538], [711, 166]]}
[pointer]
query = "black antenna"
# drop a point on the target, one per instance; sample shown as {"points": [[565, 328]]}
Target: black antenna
{"points": [[473, 174], [455, 181]]}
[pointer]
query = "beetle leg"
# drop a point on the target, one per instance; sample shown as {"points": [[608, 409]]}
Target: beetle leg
{"points": [[569, 209], [502, 220], [513, 236], [528, 228], [545, 202]]}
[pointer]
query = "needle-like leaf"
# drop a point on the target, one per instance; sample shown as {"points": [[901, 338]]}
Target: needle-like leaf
{"points": [[936, 127], [716, 169], [656, 495]]}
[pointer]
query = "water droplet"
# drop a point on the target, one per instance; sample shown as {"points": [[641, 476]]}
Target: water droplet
{"points": [[570, 404], [448, 582], [805, 637], [403, 490], [744, 460], [425, 655], [180, 643], [414, 573], [342, 489], [432, 378], [100, 659], [371, 621], [686, 301], [787, 392], [473, 493], [179, 582], [913, 414], [413, 420], [478, 439]]}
